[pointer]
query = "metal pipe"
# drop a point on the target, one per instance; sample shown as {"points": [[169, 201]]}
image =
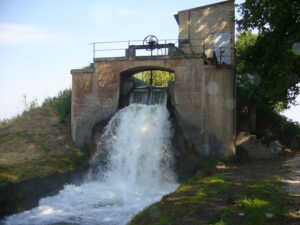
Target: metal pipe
{"points": [[151, 73], [113, 49], [94, 50]]}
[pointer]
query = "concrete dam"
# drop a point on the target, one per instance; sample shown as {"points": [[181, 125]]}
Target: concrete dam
{"points": [[202, 95], [145, 139]]}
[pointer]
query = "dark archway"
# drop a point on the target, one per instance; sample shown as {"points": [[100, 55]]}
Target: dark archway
{"points": [[140, 76], [139, 69]]}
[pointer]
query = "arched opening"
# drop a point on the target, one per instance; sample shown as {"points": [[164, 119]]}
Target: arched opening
{"points": [[147, 77], [156, 77]]}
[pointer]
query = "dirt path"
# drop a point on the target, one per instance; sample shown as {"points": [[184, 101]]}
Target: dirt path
{"points": [[234, 194], [292, 181], [293, 178]]}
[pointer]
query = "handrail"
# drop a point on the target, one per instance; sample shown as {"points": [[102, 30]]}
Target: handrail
{"points": [[129, 42], [108, 42], [199, 45]]}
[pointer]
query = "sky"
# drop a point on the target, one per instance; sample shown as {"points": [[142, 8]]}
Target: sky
{"points": [[42, 40]]}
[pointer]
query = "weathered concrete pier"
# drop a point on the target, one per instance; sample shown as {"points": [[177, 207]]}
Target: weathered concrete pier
{"points": [[203, 94]]}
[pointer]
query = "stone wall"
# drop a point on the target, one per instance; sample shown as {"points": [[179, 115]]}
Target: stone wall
{"points": [[198, 25], [204, 99]]}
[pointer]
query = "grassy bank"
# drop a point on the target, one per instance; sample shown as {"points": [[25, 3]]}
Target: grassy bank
{"points": [[229, 194], [38, 142]]}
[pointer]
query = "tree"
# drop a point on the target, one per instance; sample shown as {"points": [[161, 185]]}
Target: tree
{"points": [[270, 55], [247, 80], [244, 47], [160, 78]]}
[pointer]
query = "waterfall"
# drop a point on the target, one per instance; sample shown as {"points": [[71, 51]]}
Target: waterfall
{"points": [[137, 171], [149, 95], [139, 95]]}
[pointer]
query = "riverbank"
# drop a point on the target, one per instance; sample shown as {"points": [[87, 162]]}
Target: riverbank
{"points": [[255, 192], [36, 147]]}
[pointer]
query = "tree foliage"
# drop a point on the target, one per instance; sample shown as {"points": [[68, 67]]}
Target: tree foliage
{"points": [[244, 45], [271, 55], [160, 78]]}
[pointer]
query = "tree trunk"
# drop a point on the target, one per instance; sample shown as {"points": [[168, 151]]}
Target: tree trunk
{"points": [[251, 117]]}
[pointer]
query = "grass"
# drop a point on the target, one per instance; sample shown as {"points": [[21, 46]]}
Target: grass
{"points": [[184, 204], [39, 142], [209, 165], [217, 198], [264, 197], [45, 158], [60, 104]]}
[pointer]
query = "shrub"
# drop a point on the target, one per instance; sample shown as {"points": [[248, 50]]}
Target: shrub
{"points": [[270, 125], [61, 104], [273, 126]]}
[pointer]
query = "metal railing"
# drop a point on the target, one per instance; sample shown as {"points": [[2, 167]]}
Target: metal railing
{"points": [[195, 46], [123, 45]]}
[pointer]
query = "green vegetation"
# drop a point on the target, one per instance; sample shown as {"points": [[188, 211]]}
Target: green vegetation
{"points": [[273, 126], [262, 198], [271, 55], [220, 198], [38, 142], [61, 103], [243, 46], [29, 105], [267, 124], [209, 165], [160, 78], [268, 69]]}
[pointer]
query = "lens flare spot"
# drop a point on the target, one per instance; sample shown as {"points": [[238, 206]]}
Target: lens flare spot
{"points": [[212, 88], [144, 129], [296, 48]]}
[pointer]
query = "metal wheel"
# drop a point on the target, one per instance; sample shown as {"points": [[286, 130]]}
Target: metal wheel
{"points": [[151, 41]]}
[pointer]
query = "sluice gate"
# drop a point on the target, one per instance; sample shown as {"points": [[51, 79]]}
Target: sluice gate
{"points": [[202, 95]]}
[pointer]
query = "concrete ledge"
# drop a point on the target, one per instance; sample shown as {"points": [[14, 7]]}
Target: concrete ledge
{"points": [[219, 66], [84, 70], [109, 59], [125, 58]]}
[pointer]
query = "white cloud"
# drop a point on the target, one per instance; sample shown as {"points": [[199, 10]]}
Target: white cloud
{"points": [[15, 34], [124, 12], [103, 13]]}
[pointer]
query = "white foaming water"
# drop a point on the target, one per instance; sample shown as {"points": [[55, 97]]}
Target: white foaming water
{"points": [[136, 145]]}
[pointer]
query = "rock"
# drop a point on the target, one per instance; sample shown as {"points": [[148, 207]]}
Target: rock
{"points": [[275, 147], [269, 215], [255, 148]]}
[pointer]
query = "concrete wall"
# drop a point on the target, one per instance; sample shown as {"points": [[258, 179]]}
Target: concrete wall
{"points": [[203, 99], [205, 102], [95, 94], [198, 25]]}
